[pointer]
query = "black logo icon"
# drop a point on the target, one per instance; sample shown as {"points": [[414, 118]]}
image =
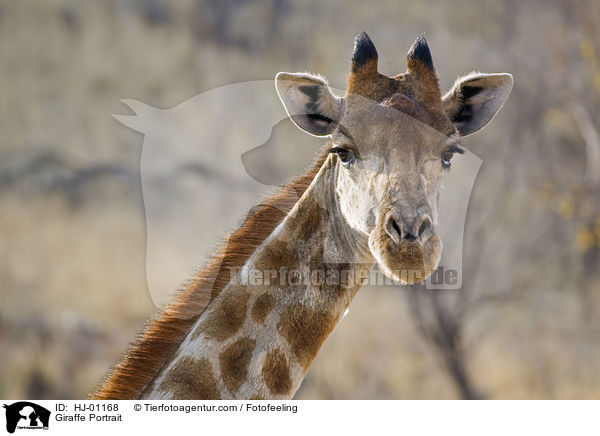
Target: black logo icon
{"points": [[26, 415]]}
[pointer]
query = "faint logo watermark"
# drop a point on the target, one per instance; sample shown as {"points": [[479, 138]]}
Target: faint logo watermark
{"points": [[205, 163]]}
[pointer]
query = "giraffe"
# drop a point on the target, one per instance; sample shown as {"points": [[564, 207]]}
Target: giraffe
{"points": [[250, 324]]}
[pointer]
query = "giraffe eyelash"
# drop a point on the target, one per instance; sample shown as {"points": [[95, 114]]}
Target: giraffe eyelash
{"points": [[346, 155], [457, 148]]}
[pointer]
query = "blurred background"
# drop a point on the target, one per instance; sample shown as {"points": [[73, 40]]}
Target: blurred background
{"points": [[526, 323]]}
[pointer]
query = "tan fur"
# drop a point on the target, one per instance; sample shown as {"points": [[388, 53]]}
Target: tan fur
{"points": [[276, 256], [376, 87], [195, 379], [167, 329], [234, 362], [305, 329], [276, 373], [262, 306], [225, 317]]}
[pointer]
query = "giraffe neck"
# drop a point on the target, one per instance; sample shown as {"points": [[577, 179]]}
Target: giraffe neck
{"points": [[260, 335]]}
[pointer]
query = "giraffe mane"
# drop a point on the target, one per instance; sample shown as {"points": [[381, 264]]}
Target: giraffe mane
{"points": [[167, 329]]}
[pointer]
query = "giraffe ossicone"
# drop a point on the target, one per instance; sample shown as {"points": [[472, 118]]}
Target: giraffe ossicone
{"points": [[371, 198]]}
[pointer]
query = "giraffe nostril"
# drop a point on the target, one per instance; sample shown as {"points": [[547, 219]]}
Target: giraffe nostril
{"points": [[396, 227], [423, 227], [393, 229]]}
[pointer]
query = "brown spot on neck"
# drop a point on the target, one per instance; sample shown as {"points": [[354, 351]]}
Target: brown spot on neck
{"points": [[276, 373], [310, 221], [191, 380], [308, 224], [262, 307], [305, 329], [226, 316], [234, 361], [276, 255]]}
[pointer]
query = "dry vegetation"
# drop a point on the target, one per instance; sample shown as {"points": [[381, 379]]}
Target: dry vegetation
{"points": [[72, 225]]}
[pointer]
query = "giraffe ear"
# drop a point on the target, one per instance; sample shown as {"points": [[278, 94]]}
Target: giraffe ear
{"points": [[474, 100], [309, 102]]}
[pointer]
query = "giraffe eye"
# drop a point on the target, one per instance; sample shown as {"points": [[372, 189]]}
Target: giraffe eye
{"points": [[447, 155], [346, 156]]}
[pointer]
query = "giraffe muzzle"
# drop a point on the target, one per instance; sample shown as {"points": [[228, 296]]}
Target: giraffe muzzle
{"points": [[418, 229], [407, 248]]}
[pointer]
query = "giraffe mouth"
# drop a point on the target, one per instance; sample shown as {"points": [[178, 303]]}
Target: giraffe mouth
{"points": [[408, 262]]}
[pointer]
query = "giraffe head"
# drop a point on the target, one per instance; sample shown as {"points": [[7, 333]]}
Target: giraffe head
{"points": [[393, 138]]}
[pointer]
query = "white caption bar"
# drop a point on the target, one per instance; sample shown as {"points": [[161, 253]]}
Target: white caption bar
{"points": [[299, 417]]}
